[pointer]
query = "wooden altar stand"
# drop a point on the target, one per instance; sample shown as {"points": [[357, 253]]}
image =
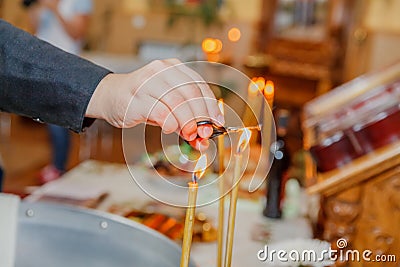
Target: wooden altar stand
{"points": [[361, 203], [360, 199]]}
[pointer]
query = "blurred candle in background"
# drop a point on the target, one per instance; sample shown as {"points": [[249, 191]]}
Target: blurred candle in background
{"points": [[254, 101], [267, 121], [269, 93]]}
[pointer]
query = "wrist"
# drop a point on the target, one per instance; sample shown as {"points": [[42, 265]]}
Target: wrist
{"points": [[97, 103]]}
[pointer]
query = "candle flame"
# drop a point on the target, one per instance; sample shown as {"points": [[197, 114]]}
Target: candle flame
{"points": [[244, 140], [260, 83], [200, 168], [221, 106], [269, 89], [256, 84]]}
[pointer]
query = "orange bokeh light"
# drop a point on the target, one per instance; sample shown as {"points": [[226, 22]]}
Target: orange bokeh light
{"points": [[211, 45], [253, 88], [256, 84], [260, 82], [219, 46], [234, 34], [269, 89]]}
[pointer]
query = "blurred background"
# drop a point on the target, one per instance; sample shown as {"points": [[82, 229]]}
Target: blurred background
{"points": [[306, 47]]}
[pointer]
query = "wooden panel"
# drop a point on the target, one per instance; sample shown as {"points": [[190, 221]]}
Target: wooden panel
{"points": [[377, 226], [367, 216]]}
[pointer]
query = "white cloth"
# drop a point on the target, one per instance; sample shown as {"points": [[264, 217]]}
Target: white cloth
{"points": [[9, 205], [51, 30]]}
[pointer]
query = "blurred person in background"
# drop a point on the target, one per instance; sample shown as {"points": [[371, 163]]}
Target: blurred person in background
{"points": [[62, 23]]}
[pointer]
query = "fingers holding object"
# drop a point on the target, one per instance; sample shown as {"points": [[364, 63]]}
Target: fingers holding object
{"points": [[185, 94], [196, 92]]}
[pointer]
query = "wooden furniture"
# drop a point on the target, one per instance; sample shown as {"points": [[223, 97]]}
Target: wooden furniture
{"points": [[306, 39], [361, 203], [360, 200]]}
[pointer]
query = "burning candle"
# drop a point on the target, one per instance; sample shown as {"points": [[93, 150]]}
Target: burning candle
{"points": [[243, 142], [254, 101], [221, 210], [269, 91], [191, 210]]}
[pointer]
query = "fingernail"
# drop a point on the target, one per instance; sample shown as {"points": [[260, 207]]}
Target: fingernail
{"points": [[207, 131], [192, 136]]}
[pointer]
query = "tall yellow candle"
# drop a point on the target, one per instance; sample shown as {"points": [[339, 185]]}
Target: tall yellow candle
{"points": [[254, 102], [221, 209], [191, 210], [243, 142], [189, 224], [269, 92]]}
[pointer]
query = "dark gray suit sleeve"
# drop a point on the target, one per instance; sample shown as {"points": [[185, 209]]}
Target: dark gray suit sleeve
{"points": [[43, 82]]}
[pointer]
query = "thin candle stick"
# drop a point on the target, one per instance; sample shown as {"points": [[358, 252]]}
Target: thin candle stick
{"points": [[267, 122], [189, 224], [243, 142], [253, 101], [221, 210], [199, 170], [232, 211]]}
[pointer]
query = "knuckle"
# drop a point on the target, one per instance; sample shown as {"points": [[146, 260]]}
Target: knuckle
{"points": [[170, 125], [161, 114], [157, 64], [174, 60], [188, 126], [173, 100], [194, 91]]}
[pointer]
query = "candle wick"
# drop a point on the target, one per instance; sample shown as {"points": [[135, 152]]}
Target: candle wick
{"points": [[194, 178]]}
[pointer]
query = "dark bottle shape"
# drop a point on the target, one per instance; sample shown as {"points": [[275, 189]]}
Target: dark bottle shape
{"points": [[278, 170], [1, 178]]}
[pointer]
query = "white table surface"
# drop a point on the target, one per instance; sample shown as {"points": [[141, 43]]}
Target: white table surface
{"points": [[92, 177]]}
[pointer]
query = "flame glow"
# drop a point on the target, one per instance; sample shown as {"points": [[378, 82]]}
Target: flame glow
{"points": [[200, 168], [234, 34], [253, 88], [256, 84], [208, 45], [269, 89], [244, 140], [221, 106], [211, 45], [219, 46]]}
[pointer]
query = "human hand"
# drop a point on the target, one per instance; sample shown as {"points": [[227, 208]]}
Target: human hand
{"points": [[164, 93]]}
